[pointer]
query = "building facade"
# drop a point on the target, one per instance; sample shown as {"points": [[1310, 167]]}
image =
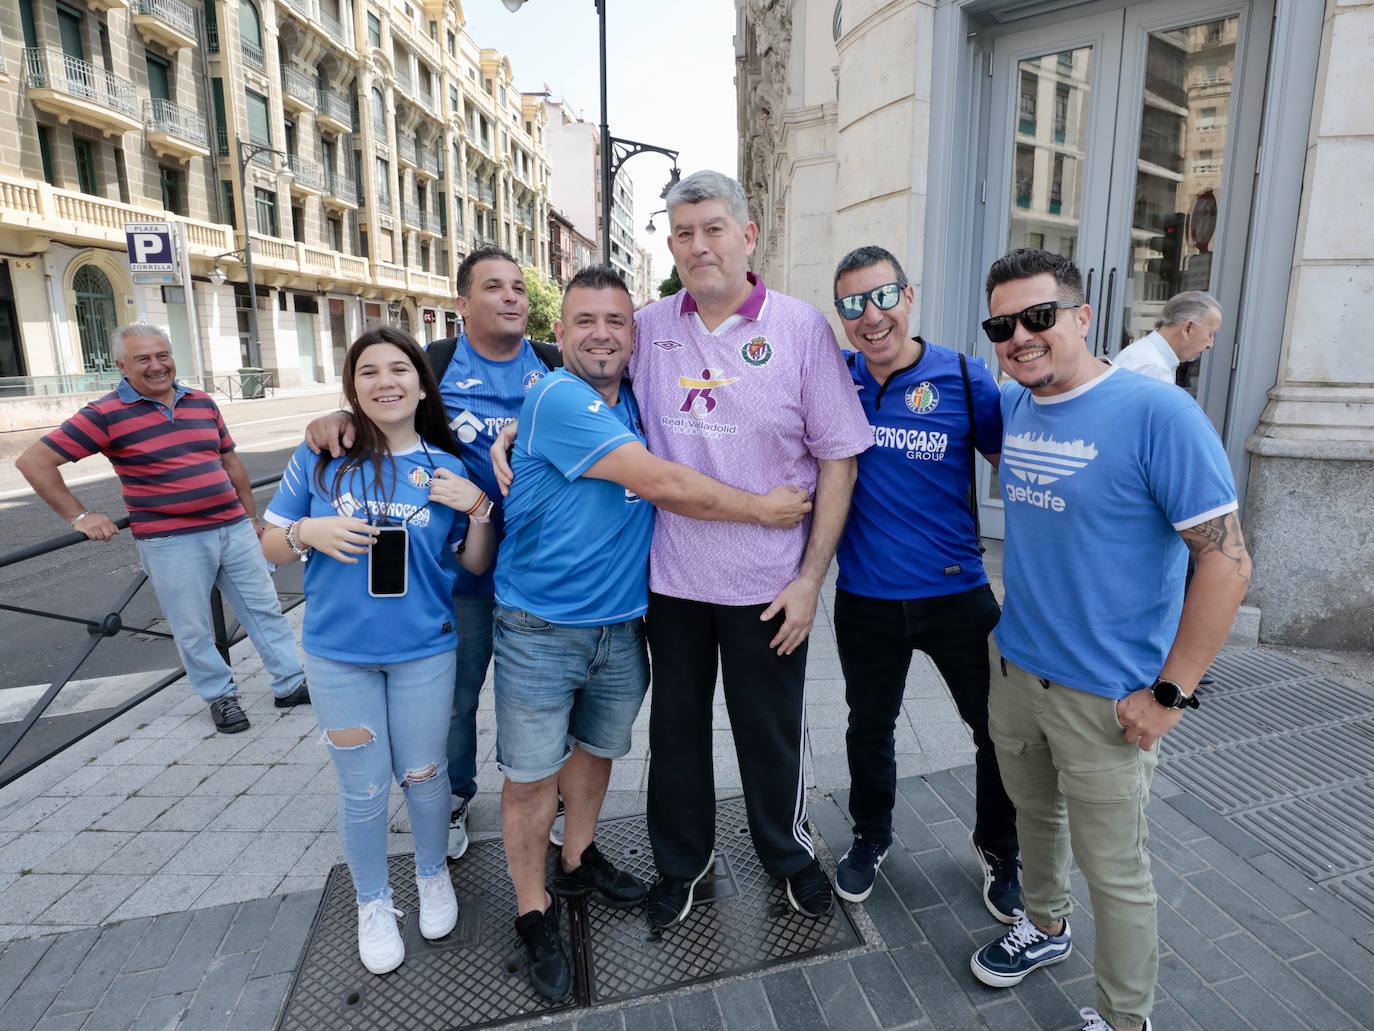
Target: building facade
{"points": [[1165, 145], [382, 144], [569, 250]]}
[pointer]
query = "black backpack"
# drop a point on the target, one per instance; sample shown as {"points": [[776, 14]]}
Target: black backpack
{"points": [[441, 354]]}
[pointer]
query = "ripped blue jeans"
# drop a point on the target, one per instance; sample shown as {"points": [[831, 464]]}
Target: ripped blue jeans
{"points": [[402, 709]]}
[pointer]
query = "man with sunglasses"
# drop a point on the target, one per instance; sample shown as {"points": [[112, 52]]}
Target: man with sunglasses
{"points": [[911, 569], [1111, 480]]}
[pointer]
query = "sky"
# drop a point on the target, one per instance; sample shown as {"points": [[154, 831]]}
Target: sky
{"points": [[671, 80]]}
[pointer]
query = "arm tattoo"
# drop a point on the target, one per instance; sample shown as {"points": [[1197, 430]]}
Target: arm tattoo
{"points": [[1223, 535]]}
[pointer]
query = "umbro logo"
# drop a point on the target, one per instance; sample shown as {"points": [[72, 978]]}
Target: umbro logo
{"points": [[468, 384], [1039, 458], [668, 345]]}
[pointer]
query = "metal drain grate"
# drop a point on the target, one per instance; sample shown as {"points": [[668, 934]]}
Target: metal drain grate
{"points": [[1268, 711], [1324, 835], [475, 978], [1251, 667]]}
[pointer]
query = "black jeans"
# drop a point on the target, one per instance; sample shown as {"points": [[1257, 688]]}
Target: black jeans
{"points": [[765, 695], [875, 637]]}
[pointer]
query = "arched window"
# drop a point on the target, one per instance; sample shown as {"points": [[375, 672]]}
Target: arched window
{"points": [[405, 321], [250, 23], [837, 23], [96, 317], [378, 109]]}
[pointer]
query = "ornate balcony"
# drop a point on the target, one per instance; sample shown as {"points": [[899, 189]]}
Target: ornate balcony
{"points": [[69, 87], [334, 31], [306, 175], [335, 114], [252, 55], [169, 22], [298, 90], [411, 214], [340, 192], [431, 225], [428, 166], [175, 131], [405, 151]]}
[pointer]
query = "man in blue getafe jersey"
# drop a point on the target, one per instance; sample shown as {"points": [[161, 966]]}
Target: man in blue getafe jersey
{"points": [[572, 586], [1111, 480], [493, 366], [911, 568]]}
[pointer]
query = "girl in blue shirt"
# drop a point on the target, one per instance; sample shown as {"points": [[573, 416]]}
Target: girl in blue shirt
{"points": [[381, 668]]}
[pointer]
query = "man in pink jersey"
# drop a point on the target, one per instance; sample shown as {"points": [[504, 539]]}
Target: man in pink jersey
{"points": [[747, 386]]}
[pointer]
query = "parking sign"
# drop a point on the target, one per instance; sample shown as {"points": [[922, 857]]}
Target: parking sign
{"points": [[152, 247]]}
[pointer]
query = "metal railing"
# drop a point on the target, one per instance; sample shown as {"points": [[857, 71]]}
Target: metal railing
{"points": [[432, 224], [164, 116], [333, 28], [302, 7], [405, 149], [308, 173], [254, 385], [299, 86], [222, 140], [411, 214], [332, 105], [100, 628], [431, 164], [68, 383], [175, 13], [341, 186], [212, 38], [252, 55], [52, 69]]}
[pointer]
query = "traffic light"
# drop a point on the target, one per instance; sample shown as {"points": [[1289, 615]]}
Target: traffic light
{"points": [[1169, 266]]}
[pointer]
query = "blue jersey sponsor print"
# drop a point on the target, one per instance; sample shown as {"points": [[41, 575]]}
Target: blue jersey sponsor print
{"points": [[344, 622], [481, 397], [1098, 482], [576, 550], [910, 529]]}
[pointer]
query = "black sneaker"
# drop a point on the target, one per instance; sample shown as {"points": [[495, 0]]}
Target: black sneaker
{"points": [[596, 876], [228, 715], [1001, 883], [670, 899], [808, 891], [547, 957], [1024, 948], [858, 870], [300, 696]]}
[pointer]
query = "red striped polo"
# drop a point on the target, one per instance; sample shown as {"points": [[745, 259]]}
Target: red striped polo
{"points": [[168, 460]]}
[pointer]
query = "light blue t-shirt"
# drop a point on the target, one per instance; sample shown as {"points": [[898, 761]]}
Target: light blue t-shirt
{"points": [[1098, 482], [344, 622], [576, 550], [481, 397], [910, 528]]}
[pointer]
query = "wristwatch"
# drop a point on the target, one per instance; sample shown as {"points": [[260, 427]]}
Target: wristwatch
{"points": [[1171, 696]]}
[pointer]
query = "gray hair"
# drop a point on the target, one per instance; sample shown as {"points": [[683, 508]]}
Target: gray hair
{"points": [[866, 257], [133, 331], [708, 185], [1189, 306]]}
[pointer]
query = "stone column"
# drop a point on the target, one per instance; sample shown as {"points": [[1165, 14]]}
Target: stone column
{"points": [[1311, 488]]}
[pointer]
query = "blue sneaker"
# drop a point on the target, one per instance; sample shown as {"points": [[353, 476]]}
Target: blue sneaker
{"points": [[1001, 883], [1024, 948], [858, 870]]}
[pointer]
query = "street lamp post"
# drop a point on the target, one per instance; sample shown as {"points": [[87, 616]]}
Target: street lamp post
{"points": [[246, 153], [614, 152]]}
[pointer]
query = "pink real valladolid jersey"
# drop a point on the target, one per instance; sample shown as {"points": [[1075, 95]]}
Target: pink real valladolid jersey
{"points": [[753, 405]]}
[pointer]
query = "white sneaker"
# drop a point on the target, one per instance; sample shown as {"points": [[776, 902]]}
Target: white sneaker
{"points": [[1094, 1021], [379, 939], [556, 831], [458, 828], [438, 905]]}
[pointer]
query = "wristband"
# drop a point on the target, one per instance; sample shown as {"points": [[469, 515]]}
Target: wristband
{"points": [[485, 517], [481, 499], [293, 540], [78, 519]]}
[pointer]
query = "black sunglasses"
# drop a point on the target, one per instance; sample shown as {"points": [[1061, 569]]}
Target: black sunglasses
{"points": [[1037, 318], [851, 306]]}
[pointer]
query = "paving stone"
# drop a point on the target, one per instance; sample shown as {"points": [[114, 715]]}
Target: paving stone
{"points": [[281, 951], [790, 996], [17, 959], [941, 996], [251, 924], [1336, 984], [31, 812], [918, 794], [79, 813], [145, 853], [260, 1003], [158, 943], [840, 998], [187, 965], [209, 852], [1335, 944], [163, 893], [234, 887], [885, 989], [889, 914], [1197, 999], [650, 1016], [1260, 1009], [1211, 963], [286, 779], [28, 851], [85, 852], [607, 1020], [698, 1011], [90, 900], [163, 1013], [959, 799], [31, 895], [189, 814], [60, 961], [908, 878], [25, 1008], [62, 1022], [220, 986], [126, 996], [910, 829], [744, 1004], [1217, 826], [248, 813], [100, 965], [177, 781]]}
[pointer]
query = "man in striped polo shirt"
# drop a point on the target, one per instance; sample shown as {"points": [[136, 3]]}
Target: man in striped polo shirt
{"points": [[190, 506]]}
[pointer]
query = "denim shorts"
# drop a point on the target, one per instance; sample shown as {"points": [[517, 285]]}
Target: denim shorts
{"points": [[560, 686]]}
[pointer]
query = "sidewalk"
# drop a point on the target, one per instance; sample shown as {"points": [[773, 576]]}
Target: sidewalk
{"points": [[158, 875]]}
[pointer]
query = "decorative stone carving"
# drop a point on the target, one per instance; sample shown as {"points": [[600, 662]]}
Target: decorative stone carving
{"points": [[769, 35]]}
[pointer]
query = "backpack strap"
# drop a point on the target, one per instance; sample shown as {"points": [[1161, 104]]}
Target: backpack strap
{"points": [[549, 354], [440, 354], [972, 452]]}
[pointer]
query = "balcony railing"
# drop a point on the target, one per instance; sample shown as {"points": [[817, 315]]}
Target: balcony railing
{"points": [[334, 106], [62, 73], [342, 186], [431, 164], [175, 13], [333, 28], [252, 55], [405, 149], [404, 83], [300, 86], [222, 140], [384, 203], [411, 214], [212, 38], [305, 8], [163, 116], [379, 129], [432, 223], [309, 174]]}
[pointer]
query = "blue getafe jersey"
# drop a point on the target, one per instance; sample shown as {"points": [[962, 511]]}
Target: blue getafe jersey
{"points": [[1098, 482], [910, 529], [343, 621], [481, 397], [576, 550]]}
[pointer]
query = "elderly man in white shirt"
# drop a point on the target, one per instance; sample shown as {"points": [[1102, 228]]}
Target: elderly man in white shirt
{"points": [[1187, 327]]}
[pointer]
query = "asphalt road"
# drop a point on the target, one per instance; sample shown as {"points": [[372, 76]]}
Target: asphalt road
{"points": [[88, 580]]}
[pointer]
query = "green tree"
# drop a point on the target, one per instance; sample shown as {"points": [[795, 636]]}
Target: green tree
{"points": [[671, 285], [546, 299]]}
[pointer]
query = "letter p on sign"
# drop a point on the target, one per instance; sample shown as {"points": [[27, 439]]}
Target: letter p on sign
{"points": [[151, 247]]}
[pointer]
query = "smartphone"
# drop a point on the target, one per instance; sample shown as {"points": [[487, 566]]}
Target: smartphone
{"points": [[387, 562]]}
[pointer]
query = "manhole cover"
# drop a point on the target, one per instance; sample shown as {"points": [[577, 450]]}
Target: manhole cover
{"points": [[474, 978]]}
